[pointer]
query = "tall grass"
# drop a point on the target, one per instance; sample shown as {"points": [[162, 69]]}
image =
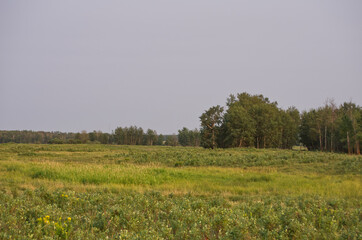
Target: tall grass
{"points": [[139, 192], [263, 171], [284, 160]]}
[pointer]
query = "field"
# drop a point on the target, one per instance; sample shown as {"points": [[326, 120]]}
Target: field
{"points": [[155, 192]]}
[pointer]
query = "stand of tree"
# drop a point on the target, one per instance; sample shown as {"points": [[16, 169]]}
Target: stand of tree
{"points": [[42, 137], [254, 121], [124, 136], [246, 121], [188, 137], [132, 135], [329, 128], [249, 121]]}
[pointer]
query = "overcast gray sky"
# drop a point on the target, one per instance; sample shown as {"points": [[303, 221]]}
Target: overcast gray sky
{"points": [[95, 65]]}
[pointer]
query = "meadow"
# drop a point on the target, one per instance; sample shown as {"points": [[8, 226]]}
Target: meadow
{"points": [[91, 191]]}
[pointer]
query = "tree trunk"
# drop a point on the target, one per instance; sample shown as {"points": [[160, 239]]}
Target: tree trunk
{"points": [[264, 142], [331, 142], [325, 138], [213, 138], [320, 139], [357, 144], [257, 142], [349, 148]]}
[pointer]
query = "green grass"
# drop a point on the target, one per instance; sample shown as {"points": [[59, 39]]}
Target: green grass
{"points": [[140, 192]]}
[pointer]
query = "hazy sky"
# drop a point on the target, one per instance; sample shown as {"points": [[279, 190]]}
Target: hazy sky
{"points": [[95, 65]]}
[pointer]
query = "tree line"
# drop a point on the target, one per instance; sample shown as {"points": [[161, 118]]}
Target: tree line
{"points": [[136, 136], [132, 135], [254, 121], [55, 137], [246, 121], [332, 128]]}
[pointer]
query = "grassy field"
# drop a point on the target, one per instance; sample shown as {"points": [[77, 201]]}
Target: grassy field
{"points": [[139, 192]]}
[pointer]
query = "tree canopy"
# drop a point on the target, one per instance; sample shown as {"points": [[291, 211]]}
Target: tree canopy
{"points": [[254, 121]]}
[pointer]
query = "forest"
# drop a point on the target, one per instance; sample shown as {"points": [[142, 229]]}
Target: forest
{"points": [[255, 121], [246, 121]]}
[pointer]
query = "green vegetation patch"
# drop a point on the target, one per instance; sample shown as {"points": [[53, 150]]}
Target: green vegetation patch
{"points": [[40, 214], [137, 192]]}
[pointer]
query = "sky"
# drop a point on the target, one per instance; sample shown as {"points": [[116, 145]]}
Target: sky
{"points": [[96, 65]]}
